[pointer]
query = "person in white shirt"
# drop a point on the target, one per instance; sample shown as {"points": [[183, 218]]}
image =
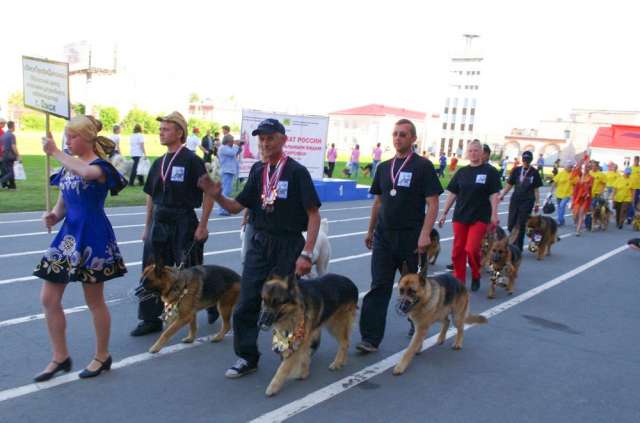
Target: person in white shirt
{"points": [[136, 145], [193, 140]]}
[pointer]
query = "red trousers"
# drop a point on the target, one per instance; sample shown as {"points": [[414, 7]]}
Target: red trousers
{"points": [[467, 242]]}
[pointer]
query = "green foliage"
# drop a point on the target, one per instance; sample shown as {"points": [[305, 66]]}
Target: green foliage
{"points": [[194, 98], [79, 108], [203, 125], [149, 123], [109, 116], [16, 99], [35, 121]]}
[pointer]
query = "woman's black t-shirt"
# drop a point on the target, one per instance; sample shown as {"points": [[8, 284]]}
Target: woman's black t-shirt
{"points": [[473, 187]]}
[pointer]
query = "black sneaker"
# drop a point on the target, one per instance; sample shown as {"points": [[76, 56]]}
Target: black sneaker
{"points": [[475, 284], [241, 368], [145, 328], [450, 267], [366, 347]]}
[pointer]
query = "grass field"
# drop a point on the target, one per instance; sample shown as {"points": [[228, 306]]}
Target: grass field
{"points": [[29, 195]]}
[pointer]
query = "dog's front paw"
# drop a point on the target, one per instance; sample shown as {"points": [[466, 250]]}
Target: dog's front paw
{"points": [[335, 366], [456, 347], [271, 390], [188, 340], [219, 337], [154, 349], [398, 370]]}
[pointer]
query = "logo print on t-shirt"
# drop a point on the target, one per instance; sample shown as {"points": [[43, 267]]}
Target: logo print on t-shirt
{"points": [[177, 174], [404, 180], [481, 179], [283, 189]]}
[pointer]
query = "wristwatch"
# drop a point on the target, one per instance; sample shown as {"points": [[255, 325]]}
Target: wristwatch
{"points": [[307, 255]]}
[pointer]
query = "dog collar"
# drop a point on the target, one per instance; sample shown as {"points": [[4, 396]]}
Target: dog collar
{"points": [[286, 343], [171, 310]]}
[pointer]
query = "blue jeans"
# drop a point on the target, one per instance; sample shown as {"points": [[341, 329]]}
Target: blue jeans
{"points": [[562, 206], [374, 166], [355, 167], [227, 188]]}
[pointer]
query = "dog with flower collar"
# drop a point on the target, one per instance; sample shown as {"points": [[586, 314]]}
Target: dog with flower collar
{"points": [[296, 310]]}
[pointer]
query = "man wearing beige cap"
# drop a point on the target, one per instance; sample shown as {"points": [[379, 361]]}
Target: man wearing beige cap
{"points": [[172, 233]]}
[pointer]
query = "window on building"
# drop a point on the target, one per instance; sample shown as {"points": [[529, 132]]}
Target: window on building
{"points": [[450, 147], [453, 111], [444, 125], [446, 110], [453, 126], [464, 110], [460, 144], [472, 112], [462, 126], [442, 141], [471, 127]]}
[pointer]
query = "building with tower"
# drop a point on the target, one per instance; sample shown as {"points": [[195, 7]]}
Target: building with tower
{"points": [[459, 116]]}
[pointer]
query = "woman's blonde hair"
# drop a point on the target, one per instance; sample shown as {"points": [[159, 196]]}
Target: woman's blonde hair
{"points": [[88, 127]]}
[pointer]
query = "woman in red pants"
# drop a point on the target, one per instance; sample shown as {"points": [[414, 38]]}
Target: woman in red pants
{"points": [[475, 190]]}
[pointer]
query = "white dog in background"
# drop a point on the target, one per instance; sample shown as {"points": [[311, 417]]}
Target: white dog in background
{"points": [[321, 251]]}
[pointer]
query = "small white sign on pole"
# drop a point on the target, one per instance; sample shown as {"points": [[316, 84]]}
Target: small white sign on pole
{"points": [[46, 86], [306, 140]]}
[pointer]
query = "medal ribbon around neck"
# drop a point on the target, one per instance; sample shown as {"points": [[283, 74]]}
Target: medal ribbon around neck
{"points": [[164, 174], [394, 174], [269, 184]]}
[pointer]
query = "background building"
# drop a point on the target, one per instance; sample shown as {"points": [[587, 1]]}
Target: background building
{"points": [[459, 116], [369, 125]]}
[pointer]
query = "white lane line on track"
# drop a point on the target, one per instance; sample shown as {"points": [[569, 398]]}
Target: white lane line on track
{"points": [[329, 391], [212, 219], [210, 253], [314, 398], [138, 241], [25, 319]]}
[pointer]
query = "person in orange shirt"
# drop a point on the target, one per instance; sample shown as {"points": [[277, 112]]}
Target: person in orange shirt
{"points": [[453, 164], [581, 199]]}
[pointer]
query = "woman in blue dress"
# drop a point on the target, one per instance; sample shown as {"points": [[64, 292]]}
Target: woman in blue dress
{"points": [[85, 249]]}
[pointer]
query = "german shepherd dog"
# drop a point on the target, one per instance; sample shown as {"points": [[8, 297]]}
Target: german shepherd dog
{"points": [[430, 299], [433, 251], [601, 215], [489, 238], [543, 232], [504, 260], [297, 310], [187, 291]]}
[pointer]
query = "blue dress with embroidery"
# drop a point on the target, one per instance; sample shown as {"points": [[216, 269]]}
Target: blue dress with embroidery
{"points": [[85, 247]]}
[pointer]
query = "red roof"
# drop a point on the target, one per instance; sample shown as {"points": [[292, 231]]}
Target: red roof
{"points": [[619, 137], [381, 110]]}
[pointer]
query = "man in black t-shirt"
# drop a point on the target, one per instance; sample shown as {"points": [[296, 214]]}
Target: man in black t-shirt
{"points": [[398, 229], [172, 233], [526, 181], [283, 202]]}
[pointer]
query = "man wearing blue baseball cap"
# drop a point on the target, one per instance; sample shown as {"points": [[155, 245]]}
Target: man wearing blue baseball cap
{"points": [[525, 180], [283, 203]]}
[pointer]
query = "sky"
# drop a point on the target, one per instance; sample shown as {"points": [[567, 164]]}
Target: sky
{"points": [[542, 58]]}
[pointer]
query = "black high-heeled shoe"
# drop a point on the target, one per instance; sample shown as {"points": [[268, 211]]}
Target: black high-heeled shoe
{"points": [[64, 366], [104, 365]]}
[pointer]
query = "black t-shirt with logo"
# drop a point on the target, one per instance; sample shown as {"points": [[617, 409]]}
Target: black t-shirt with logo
{"points": [[296, 194], [416, 181], [473, 186], [524, 185], [181, 188]]}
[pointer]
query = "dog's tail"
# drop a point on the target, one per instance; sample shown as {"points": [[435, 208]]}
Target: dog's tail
{"points": [[475, 319], [324, 226]]}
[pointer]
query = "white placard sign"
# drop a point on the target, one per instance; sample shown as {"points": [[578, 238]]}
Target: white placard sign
{"points": [[46, 86], [306, 140]]}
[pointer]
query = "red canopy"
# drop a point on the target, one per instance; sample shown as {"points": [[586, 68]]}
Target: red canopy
{"points": [[619, 137]]}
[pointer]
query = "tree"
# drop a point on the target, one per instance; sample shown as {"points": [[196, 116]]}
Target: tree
{"points": [[109, 117], [16, 99], [194, 98], [79, 108], [148, 122]]}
